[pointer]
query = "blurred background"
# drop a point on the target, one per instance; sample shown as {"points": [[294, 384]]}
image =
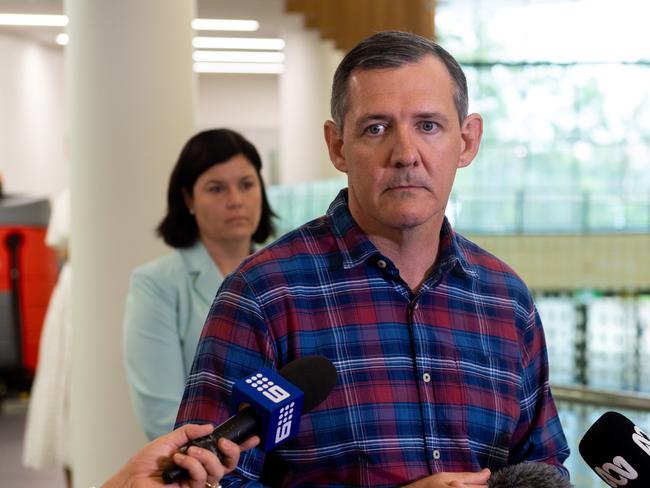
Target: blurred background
{"points": [[101, 98]]}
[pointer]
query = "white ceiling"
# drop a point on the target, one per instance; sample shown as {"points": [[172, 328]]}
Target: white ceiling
{"points": [[268, 12]]}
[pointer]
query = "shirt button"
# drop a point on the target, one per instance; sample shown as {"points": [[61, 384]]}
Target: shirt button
{"points": [[436, 454], [381, 263], [426, 377]]}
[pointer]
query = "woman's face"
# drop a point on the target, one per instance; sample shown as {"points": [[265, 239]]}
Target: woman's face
{"points": [[227, 201]]}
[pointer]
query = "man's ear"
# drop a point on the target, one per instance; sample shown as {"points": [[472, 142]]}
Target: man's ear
{"points": [[334, 141], [470, 133]]}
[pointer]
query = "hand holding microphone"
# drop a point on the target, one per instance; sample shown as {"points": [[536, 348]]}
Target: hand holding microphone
{"points": [[275, 404]]}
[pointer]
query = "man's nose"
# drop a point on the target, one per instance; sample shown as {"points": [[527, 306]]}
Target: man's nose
{"points": [[404, 151]]}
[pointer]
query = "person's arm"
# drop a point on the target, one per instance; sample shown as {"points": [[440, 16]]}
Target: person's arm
{"points": [[145, 468], [538, 436], [153, 354]]}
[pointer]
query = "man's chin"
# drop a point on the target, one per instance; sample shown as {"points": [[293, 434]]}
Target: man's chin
{"points": [[407, 220]]}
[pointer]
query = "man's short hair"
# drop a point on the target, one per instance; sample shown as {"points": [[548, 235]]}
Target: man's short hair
{"points": [[393, 49]]}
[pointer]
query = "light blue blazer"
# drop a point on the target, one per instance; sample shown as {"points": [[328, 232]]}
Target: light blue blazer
{"points": [[167, 304]]}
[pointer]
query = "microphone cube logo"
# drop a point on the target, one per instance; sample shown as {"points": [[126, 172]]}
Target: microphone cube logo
{"points": [[284, 422], [268, 388], [276, 402]]}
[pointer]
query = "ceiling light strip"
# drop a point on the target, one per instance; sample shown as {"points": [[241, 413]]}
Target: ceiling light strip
{"points": [[225, 25], [246, 68], [238, 56], [268, 44], [34, 20]]}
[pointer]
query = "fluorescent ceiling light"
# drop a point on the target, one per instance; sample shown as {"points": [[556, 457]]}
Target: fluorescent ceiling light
{"points": [[62, 39], [225, 24], [238, 43], [238, 56], [262, 68], [29, 19]]}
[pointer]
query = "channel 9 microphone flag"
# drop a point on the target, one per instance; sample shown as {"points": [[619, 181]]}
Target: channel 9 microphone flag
{"points": [[618, 451], [276, 400]]}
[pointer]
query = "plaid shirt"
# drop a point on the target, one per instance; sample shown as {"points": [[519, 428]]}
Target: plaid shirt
{"points": [[453, 378]]}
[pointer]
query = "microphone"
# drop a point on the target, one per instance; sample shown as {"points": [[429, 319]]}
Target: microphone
{"points": [[275, 402], [618, 451], [528, 475]]}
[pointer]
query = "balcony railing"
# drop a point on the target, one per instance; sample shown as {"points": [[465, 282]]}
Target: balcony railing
{"points": [[491, 211]]}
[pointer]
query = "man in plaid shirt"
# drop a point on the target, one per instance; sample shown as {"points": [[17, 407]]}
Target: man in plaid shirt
{"points": [[440, 352]]}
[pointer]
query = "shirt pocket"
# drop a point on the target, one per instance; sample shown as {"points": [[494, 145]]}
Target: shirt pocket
{"points": [[492, 390]]}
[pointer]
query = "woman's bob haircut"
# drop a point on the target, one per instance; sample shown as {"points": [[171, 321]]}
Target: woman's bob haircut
{"points": [[178, 228]]}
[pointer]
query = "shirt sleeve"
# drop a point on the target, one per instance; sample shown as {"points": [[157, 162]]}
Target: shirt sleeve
{"points": [[153, 355], [539, 436], [235, 342]]}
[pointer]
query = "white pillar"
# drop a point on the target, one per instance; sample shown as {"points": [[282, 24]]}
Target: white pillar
{"points": [[304, 104], [130, 92]]}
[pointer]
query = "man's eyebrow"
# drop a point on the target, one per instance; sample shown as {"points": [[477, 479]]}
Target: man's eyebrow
{"points": [[438, 116], [369, 118]]}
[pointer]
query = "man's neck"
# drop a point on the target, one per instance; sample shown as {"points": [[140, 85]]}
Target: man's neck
{"points": [[414, 252]]}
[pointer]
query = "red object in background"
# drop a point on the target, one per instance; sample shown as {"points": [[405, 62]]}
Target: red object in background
{"points": [[37, 269], [28, 273]]}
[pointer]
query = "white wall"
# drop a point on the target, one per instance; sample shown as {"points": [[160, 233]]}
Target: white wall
{"points": [[32, 118], [246, 103], [304, 103]]}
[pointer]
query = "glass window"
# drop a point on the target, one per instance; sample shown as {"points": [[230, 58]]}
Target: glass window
{"points": [[564, 89]]}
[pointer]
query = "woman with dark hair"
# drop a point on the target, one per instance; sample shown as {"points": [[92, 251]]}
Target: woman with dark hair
{"points": [[216, 209]]}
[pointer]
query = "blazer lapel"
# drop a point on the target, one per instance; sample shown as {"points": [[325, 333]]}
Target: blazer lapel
{"points": [[205, 277]]}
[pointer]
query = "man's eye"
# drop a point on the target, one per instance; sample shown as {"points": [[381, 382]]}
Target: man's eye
{"points": [[376, 129], [428, 126], [215, 189]]}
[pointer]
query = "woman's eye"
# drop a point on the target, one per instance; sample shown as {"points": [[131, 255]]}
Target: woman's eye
{"points": [[215, 189]]}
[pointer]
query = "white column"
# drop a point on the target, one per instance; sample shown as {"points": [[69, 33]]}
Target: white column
{"points": [[304, 104], [130, 92]]}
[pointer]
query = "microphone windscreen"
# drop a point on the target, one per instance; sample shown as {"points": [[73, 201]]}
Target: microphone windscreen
{"points": [[528, 475], [314, 375], [618, 451]]}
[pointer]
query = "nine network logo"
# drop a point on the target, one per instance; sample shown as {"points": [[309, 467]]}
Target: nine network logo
{"points": [[270, 390], [276, 394]]}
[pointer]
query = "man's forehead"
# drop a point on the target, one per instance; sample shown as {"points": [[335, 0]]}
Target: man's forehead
{"points": [[426, 78], [428, 60]]}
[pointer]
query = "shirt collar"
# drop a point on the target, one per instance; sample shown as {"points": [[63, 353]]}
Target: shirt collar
{"points": [[356, 248], [451, 255], [353, 244]]}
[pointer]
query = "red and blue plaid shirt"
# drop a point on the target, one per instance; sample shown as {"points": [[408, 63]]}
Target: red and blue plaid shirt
{"points": [[452, 378]]}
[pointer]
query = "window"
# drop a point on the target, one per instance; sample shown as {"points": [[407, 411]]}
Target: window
{"points": [[564, 88]]}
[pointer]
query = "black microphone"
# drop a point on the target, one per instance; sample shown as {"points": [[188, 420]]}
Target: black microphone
{"points": [[275, 399], [618, 451], [528, 475]]}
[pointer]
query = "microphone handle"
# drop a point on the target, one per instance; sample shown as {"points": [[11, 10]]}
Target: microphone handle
{"points": [[237, 429]]}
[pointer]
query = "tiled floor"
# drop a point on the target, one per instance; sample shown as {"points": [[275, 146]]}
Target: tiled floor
{"points": [[13, 474]]}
